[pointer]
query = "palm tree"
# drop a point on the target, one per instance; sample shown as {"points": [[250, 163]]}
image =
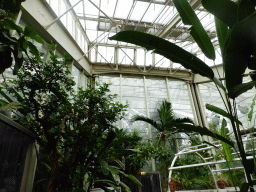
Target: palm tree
{"points": [[164, 125]]}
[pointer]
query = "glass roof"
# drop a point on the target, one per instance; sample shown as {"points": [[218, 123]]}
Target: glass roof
{"points": [[99, 19]]}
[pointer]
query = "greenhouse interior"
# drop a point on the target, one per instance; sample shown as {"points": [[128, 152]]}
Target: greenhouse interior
{"points": [[134, 95]]}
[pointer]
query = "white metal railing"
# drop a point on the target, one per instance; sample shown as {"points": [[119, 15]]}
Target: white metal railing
{"points": [[195, 149]]}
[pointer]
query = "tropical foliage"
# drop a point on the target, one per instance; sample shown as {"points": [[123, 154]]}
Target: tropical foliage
{"points": [[15, 41], [79, 148], [235, 25]]}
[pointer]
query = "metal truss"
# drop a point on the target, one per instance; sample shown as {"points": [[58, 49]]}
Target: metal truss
{"points": [[168, 28]]}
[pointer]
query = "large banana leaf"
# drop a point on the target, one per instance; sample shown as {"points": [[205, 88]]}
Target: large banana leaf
{"points": [[245, 9], [202, 131], [197, 31], [220, 112], [239, 50], [225, 10], [241, 88], [167, 49], [222, 31], [225, 146]]}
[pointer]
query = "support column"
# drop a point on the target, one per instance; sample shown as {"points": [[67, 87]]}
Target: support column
{"points": [[149, 126], [201, 115], [121, 100], [169, 99]]}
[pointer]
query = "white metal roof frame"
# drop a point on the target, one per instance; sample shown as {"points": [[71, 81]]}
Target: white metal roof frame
{"points": [[195, 149]]}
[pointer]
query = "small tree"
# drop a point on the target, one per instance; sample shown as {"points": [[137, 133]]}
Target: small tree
{"points": [[75, 130], [164, 125]]}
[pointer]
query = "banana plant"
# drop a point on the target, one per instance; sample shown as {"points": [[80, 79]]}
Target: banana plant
{"points": [[235, 26]]}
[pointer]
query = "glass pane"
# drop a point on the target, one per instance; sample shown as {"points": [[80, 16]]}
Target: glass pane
{"points": [[140, 56], [125, 56], [108, 7], [114, 89], [75, 75], [180, 99], [133, 92], [210, 95], [69, 23], [123, 9], [62, 10], [156, 93], [105, 54], [149, 58], [161, 61], [244, 103], [152, 12], [54, 5]]}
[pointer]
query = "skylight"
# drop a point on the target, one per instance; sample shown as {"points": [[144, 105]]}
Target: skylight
{"points": [[100, 19]]}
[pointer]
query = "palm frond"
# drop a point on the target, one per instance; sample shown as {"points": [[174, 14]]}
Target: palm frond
{"points": [[147, 120], [183, 120], [165, 113]]}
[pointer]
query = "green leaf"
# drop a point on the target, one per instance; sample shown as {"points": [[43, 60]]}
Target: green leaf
{"points": [[8, 106], [120, 163], [167, 49], [238, 51], [251, 111], [197, 31], [222, 31], [114, 172], [9, 24], [111, 136], [243, 109], [220, 112], [18, 61], [6, 96], [239, 89], [33, 49], [37, 39], [126, 188], [244, 187], [41, 180], [225, 146], [225, 10], [105, 188], [17, 95], [202, 131], [134, 180], [245, 9], [47, 166], [29, 31], [3, 102], [104, 167], [134, 150], [218, 83], [23, 43]]}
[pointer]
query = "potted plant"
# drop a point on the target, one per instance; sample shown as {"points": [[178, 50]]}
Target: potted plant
{"points": [[235, 26], [173, 185]]}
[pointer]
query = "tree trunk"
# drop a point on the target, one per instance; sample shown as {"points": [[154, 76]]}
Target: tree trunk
{"points": [[164, 171]]}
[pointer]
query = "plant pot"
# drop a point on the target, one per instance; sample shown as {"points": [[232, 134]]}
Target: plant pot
{"points": [[173, 185], [221, 184]]}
